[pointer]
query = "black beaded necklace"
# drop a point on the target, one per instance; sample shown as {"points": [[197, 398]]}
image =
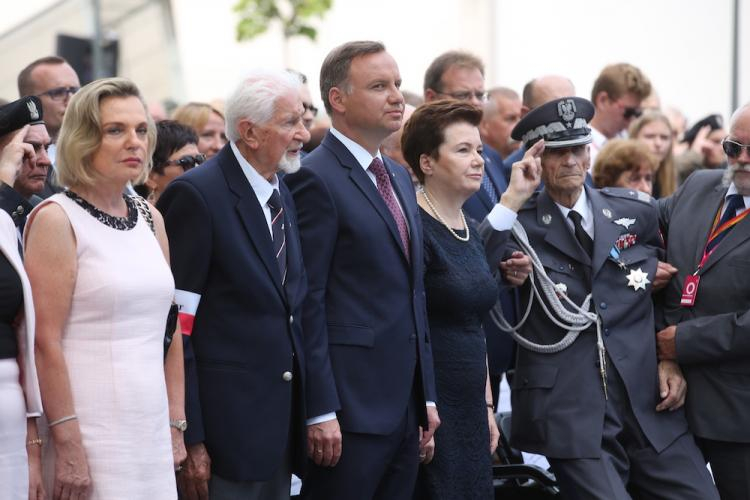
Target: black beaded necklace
{"points": [[120, 223]]}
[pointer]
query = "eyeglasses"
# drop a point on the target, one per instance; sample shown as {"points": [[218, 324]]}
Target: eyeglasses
{"points": [[187, 162], [60, 93], [733, 149], [309, 107], [466, 95], [629, 113]]}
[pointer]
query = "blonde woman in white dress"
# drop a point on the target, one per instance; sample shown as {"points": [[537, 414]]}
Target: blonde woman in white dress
{"points": [[105, 288]]}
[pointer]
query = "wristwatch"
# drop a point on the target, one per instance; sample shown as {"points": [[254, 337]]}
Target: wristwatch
{"points": [[180, 425]]}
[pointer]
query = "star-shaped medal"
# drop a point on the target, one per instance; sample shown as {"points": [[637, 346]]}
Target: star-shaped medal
{"points": [[638, 279]]}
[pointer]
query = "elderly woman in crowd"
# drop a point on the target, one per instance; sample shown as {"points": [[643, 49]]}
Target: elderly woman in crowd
{"points": [[653, 129], [207, 122], [20, 403], [98, 263], [625, 163], [441, 143], [176, 152]]}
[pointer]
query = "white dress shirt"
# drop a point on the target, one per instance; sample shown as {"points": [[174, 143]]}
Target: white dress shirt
{"points": [[262, 188], [733, 190]]}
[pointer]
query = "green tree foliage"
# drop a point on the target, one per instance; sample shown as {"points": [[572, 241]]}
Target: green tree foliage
{"points": [[257, 15]]}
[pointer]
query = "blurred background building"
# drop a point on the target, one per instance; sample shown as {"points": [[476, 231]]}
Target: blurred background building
{"points": [[183, 50]]}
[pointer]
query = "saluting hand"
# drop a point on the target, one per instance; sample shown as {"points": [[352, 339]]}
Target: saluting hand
{"points": [[525, 177], [13, 155]]}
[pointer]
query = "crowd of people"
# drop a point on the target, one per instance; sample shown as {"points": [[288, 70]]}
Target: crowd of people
{"points": [[202, 306]]}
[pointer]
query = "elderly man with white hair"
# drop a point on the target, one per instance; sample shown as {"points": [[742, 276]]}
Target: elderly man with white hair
{"points": [[705, 312], [240, 282]]}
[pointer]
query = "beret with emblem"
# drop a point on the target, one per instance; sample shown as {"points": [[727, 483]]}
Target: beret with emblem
{"points": [[16, 114], [562, 123]]}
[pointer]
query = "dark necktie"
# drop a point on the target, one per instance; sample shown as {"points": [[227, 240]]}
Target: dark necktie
{"points": [[277, 228], [733, 203], [581, 235], [386, 192]]}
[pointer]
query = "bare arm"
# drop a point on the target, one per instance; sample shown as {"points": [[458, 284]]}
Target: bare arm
{"points": [[174, 372], [52, 266]]}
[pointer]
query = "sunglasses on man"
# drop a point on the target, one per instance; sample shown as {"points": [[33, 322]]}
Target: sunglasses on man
{"points": [[60, 93], [187, 162], [629, 113], [733, 149]]}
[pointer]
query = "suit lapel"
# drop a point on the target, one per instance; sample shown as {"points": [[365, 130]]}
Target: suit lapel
{"points": [[558, 233], [704, 218], [606, 232], [360, 178], [251, 215]]}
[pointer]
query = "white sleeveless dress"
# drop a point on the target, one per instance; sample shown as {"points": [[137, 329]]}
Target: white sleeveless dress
{"points": [[113, 347]]}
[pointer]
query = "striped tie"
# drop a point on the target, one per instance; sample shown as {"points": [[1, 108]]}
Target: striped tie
{"points": [[277, 228]]}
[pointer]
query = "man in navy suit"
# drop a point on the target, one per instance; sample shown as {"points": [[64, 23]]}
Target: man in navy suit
{"points": [[460, 75], [370, 375], [240, 279]]}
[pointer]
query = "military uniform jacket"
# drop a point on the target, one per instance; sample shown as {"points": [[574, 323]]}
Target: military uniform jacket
{"points": [[558, 399], [713, 336]]}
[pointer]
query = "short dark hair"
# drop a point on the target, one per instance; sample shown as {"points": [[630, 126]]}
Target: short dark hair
{"points": [[334, 72], [424, 132], [433, 77], [618, 156], [25, 83], [171, 136]]}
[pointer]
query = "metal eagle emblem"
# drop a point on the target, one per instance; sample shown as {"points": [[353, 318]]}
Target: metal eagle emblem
{"points": [[567, 110], [33, 111]]}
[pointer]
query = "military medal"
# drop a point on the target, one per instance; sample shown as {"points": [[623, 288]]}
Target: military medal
{"points": [[638, 279], [546, 219]]}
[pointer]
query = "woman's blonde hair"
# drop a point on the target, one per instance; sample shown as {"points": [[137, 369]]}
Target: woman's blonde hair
{"points": [[81, 132], [195, 115], [666, 174]]}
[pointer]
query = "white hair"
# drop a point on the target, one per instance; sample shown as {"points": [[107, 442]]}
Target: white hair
{"points": [[255, 98]]}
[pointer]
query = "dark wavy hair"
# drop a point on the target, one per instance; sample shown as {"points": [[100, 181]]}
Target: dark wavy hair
{"points": [[425, 130], [170, 137]]}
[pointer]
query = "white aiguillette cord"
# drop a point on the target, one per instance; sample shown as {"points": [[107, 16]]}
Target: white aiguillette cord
{"points": [[573, 322]]}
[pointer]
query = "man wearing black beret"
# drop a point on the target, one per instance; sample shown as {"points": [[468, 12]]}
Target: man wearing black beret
{"points": [[23, 157], [588, 392]]}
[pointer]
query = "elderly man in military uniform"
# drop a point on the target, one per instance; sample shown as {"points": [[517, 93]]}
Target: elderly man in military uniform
{"points": [[24, 163], [588, 392]]}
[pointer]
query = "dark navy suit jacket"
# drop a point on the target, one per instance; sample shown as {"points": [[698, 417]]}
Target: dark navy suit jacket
{"points": [[499, 344], [365, 311], [247, 329]]}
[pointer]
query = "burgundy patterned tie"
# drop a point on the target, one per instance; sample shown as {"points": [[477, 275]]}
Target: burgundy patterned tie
{"points": [[386, 192]]}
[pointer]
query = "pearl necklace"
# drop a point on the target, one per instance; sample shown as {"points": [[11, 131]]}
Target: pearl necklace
{"points": [[442, 221]]}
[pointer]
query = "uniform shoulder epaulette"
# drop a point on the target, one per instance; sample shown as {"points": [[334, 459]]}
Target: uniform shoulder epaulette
{"points": [[628, 194], [531, 202]]}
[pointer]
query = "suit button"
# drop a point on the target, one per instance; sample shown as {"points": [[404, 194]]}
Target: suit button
{"points": [[606, 332], [291, 320], [525, 381], [603, 305], [20, 210], [287, 376], [562, 268]]}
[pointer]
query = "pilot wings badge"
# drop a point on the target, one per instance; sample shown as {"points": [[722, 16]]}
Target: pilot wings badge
{"points": [[625, 222]]}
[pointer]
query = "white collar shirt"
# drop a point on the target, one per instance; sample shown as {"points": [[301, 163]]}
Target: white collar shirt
{"points": [[262, 188]]}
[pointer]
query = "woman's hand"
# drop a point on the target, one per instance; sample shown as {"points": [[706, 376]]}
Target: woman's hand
{"points": [[72, 478], [494, 431], [179, 453], [36, 487]]}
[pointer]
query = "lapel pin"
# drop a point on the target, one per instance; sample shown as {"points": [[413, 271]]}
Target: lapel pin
{"points": [[546, 219], [625, 222], [607, 213]]}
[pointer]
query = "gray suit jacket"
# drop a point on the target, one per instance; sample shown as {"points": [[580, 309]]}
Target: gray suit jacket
{"points": [[558, 400], [713, 336]]}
